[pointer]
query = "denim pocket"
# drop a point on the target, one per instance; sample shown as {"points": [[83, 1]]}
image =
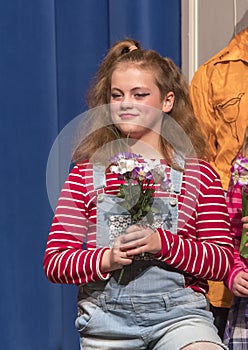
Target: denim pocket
{"points": [[86, 310], [186, 298]]}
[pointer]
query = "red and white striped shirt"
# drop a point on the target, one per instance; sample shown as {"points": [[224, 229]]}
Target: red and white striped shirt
{"points": [[202, 249]]}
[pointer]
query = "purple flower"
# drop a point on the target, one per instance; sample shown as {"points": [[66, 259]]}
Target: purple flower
{"points": [[239, 171], [166, 184]]}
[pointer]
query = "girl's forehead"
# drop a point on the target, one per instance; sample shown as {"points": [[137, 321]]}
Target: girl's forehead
{"points": [[128, 68], [132, 75], [129, 65]]}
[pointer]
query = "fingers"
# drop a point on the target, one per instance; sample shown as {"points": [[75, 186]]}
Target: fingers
{"points": [[245, 222], [119, 258], [244, 219], [240, 292], [148, 243], [134, 228], [240, 284], [136, 232], [135, 238]]}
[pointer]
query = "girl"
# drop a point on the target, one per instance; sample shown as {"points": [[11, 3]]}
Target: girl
{"points": [[144, 289], [236, 328]]}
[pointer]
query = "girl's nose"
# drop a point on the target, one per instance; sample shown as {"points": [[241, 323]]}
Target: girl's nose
{"points": [[126, 103]]}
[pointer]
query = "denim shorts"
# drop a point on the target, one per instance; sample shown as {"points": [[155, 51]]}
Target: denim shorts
{"points": [[112, 316]]}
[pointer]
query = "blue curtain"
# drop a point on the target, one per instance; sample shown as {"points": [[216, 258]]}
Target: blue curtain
{"points": [[49, 51]]}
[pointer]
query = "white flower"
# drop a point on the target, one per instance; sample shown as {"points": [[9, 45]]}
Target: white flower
{"points": [[152, 164], [114, 169]]}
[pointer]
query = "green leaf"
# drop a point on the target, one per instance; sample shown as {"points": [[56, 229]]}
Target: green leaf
{"points": [[244, 239], [244, 203]]}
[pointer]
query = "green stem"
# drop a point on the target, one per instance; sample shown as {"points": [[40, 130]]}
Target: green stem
{"points": [[121, 275]]}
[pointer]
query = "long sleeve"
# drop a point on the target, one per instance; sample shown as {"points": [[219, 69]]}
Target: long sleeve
{"points": [[74, 222], [234, 204], [203, 246]]}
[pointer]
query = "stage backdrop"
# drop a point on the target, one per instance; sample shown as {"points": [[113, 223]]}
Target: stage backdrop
{"points": [[49, 50]]}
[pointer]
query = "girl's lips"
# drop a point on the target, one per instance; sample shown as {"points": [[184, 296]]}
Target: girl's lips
{"points": [[127, 115]]}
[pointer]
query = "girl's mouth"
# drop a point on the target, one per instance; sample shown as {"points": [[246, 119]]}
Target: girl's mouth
{"points": [[125, 116]]}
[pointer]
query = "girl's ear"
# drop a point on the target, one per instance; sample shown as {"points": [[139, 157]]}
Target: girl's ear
{"points": [[168, 102]]}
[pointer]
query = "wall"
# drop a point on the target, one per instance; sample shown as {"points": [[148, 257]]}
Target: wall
{"points": [[207, 27]]}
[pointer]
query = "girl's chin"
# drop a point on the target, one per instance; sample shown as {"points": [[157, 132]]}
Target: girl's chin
{"points": [[131, 133], [128, 129]]}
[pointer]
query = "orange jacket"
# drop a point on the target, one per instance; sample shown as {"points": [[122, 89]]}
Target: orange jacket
{"points": [[219, 94]]}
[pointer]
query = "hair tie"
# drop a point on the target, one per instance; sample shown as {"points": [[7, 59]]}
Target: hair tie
{"points": [[132, 48], [128, 49]]}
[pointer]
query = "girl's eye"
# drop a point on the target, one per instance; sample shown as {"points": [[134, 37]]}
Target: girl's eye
{"points": [[142, 95], [115, 96]]}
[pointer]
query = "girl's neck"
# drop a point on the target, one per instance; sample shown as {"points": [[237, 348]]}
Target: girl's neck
{"points": [[144, 149]]}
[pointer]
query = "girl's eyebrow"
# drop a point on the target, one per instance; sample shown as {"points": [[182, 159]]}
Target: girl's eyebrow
{"points": [[133, 89]]}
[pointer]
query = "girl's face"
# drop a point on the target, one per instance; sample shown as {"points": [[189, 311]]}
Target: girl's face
{"points": [[136, 103]]}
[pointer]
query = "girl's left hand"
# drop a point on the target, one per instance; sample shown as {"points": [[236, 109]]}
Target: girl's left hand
{"points": [[140, 239]]}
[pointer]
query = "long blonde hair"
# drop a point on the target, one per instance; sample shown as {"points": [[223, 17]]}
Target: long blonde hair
{"points": [[168, 78]]}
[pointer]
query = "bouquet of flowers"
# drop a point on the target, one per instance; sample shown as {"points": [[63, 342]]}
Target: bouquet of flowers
{"points": [[137, 190], [240, 177]]}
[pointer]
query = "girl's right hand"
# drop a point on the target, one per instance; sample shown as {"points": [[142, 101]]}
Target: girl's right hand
{"points": [[115, 258]]}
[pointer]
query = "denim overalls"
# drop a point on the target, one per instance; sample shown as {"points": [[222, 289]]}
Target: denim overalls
{"points": [[138, 311]]}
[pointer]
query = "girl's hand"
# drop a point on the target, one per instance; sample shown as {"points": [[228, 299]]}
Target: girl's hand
{"points": [[240, 284], [137, 239], [115, 258], [245, 221], [140, 239]]}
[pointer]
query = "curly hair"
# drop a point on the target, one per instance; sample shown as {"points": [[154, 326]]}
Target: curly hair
{"points": [[168, 78]]}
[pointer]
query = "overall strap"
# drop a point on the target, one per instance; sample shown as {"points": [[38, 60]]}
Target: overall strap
{"points": [[99, 178], [176, 176]]}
